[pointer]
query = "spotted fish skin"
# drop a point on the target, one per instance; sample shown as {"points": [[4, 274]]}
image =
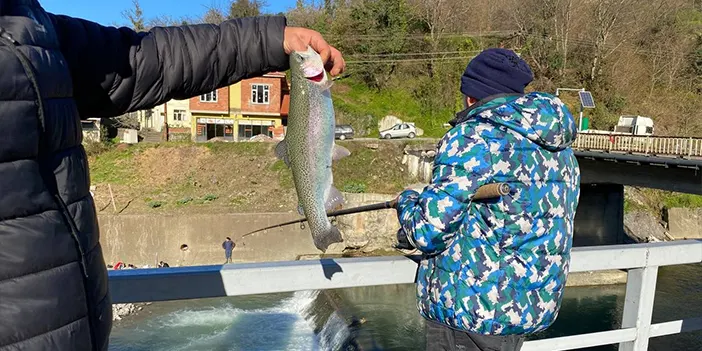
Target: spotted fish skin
{"points": [[309, 148]]}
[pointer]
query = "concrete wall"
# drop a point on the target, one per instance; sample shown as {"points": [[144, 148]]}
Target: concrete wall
{"points": [[147, 239], [685, 223]]}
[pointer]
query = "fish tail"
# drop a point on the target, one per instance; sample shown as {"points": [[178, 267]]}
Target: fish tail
{"points": [[323, 239]]}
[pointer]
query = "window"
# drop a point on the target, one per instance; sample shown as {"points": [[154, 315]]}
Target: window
{"points": [[209, 97], [179, 115], [247, 132], [259, 93]]}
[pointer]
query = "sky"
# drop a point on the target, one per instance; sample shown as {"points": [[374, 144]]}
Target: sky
{"points": [[109, 12]]}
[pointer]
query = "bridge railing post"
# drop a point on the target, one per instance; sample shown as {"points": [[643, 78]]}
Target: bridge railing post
{"points": [[638, 306]]}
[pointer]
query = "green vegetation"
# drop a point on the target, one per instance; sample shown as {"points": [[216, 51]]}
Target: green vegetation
{"points": [[654, 201], [682, 200], [156, 204], [363, 108], [351, 186], [242, 177]]}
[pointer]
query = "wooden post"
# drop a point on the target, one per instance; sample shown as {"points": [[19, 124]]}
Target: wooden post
{"points": [[112, 198]]}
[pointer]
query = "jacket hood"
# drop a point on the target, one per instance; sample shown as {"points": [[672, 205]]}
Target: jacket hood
{"points": [[540, 117]]}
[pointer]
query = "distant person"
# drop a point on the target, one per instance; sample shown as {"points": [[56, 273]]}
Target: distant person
{"points": [[162, 264], [494, 272], [228, 246], [57, 70]]}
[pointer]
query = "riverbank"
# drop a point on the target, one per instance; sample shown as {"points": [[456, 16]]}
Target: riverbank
{"points": [[122, 310]]}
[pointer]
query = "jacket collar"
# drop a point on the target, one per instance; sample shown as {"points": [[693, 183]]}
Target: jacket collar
{"points": [[465, 114]]}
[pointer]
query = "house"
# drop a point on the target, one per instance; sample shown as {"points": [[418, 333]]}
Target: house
{"points": [[243, 110], [178, 117], [265, 102], [214, 114], [148, 119]]}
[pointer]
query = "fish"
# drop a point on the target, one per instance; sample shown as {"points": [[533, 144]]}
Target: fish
{"points": [[308, 148]]}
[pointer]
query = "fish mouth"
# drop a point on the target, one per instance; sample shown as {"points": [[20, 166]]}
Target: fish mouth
{"points": [[315, 75], [318, 78]]}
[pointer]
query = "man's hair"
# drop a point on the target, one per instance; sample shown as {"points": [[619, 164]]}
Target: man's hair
{"points": [[228, 238]]}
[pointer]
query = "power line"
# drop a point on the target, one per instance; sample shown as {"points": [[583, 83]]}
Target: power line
{"points": [[411, 60], [424, 53], [418, 36]]}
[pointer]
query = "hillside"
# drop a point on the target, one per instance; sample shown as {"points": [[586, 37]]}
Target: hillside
{"points": [[228, 177], [363, 108]]}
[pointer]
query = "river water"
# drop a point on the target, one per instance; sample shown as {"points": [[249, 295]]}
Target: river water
{"points": [[308, 321]]}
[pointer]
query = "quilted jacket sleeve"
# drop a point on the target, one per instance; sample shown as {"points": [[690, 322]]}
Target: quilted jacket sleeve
{"points": [[117, 70], [432, 219]]}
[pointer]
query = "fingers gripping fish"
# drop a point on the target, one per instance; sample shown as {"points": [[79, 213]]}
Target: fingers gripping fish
{"points": [[309, 148]]}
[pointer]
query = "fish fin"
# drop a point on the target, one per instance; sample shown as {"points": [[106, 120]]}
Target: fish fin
{"points": [[339, 152], [334, 200], [326, 238], [281, 151], [300, 210]]}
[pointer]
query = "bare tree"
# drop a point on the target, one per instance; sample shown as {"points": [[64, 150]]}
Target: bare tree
{"points": [[135, 16], [613, 23], [439, 16]]}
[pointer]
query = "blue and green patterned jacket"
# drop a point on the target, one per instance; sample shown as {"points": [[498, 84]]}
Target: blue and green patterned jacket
{"points": [[498, 267]]}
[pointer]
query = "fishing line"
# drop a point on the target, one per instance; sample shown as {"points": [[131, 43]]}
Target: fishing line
{"points": [[484, 193]]}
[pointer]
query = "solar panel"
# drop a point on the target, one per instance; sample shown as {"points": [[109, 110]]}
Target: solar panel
{"points": [[586, 99]]}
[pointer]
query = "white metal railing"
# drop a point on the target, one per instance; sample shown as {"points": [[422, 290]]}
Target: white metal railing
{"points": [[640, 260], [645, 145]]}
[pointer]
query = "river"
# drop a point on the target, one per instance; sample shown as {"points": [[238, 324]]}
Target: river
{"points": [[308, 321]]}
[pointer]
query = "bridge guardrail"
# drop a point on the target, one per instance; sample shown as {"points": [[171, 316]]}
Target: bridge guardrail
{"points": [[645, 145], [640, 260]]}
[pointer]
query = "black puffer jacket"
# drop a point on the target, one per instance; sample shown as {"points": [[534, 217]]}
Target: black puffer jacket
{"points": [[53, 69]]}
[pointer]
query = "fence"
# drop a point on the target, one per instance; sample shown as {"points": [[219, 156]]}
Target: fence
{"points": [[649, 145], [640, 260]]}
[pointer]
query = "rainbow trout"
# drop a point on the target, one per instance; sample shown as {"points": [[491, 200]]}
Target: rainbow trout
{"points": [[309, 148]]}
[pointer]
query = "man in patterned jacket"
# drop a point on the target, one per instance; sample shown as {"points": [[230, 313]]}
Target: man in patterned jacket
{"points": [[493, 272]]}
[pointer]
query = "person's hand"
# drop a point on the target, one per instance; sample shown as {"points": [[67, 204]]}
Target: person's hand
{"points": [[297, 39], [402, 242]]}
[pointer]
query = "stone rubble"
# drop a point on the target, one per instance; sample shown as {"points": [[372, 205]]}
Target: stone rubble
{"points": [[121, 310]]}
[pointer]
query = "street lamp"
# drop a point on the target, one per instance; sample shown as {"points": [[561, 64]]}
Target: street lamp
{"points": [[586, 101]]}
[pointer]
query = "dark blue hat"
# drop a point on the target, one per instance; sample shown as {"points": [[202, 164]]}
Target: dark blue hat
{"points": [[495, 71]]}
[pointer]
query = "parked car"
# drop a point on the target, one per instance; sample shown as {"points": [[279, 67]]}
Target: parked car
{"points": [[401, 130], [343, 131]]}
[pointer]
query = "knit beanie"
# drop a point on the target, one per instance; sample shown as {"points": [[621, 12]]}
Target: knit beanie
{"points": [[495, 71]]}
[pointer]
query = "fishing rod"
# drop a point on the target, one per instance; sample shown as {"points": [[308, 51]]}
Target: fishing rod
{"points": [[485, 192]]}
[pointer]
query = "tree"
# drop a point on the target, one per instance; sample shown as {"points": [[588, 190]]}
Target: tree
{"points": [[439, 17], [214, 15], [245, 8], [135, 16]]}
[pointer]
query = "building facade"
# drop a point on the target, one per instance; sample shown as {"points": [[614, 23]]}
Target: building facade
{"points": [[243, 110]]}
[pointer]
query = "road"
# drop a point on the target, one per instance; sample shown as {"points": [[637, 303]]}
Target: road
{"points": [[391, 140]]}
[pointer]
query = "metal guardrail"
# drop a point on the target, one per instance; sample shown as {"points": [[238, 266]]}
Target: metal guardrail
{"points": [[644, 145], [640, 260]]}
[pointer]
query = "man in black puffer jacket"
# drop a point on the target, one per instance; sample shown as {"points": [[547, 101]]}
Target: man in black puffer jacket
{"points": [[54, 69]]}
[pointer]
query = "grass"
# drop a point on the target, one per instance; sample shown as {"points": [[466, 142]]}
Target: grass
{"points": [[354, 102], [113, 166], [244, 177], [243, 148], [682, 200]]}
